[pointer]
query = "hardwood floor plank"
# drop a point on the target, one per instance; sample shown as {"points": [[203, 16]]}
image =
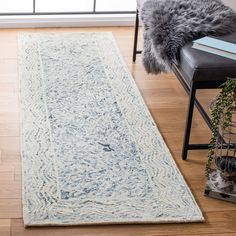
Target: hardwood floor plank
{"points": [[10, 208], [213, 234], [9, 145], [10, 187], [9, 158], [5, 227], [8, 67], [9, 129], [8, 50]]}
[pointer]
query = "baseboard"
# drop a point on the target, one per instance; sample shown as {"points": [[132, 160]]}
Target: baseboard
{"points": [[66, 21]]}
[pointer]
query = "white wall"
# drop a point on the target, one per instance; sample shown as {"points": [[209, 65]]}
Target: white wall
{"points": [[231, 3]]}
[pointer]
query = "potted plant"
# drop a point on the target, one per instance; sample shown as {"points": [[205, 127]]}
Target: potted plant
{"points": [[221, 164]]}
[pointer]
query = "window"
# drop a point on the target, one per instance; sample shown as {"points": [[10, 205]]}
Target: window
{"points": [[31, 7], [64, 5], [115, 5], [14, 6]]}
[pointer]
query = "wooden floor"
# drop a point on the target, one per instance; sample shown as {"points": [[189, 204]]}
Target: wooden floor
{"points": [[167, 102]]}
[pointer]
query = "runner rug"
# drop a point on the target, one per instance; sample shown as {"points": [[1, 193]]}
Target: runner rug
{"points": [[91, 152]]}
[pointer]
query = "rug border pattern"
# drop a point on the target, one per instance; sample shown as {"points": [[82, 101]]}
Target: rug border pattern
{"points": [[116, 69]]}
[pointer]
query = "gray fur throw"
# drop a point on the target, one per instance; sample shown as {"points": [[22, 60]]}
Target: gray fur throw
{"points": [[169, 25]]}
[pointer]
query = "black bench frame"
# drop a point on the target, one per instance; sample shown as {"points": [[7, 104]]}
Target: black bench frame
{"points": [[191, 91]]}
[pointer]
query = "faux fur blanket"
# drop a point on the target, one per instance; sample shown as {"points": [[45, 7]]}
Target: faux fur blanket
{"points": [[169, 25]]}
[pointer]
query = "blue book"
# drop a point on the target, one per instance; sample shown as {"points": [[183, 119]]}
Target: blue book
{"points": [[216, 46]]}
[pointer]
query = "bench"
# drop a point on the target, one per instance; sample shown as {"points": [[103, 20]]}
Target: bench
{"points": [[196, 70]]}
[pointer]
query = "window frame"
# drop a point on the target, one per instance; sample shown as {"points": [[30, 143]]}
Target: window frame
{"points": [[94, 12]]}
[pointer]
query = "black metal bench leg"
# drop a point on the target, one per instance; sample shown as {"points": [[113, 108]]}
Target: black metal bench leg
{"points": [[189, 122], [136, 36]]}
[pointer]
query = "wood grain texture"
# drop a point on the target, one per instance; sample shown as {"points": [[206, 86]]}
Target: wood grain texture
{"points": [[167, 102], [5, 227]]}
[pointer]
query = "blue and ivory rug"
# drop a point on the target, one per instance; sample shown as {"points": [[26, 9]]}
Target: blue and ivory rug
{"points": [[91, 151]]}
